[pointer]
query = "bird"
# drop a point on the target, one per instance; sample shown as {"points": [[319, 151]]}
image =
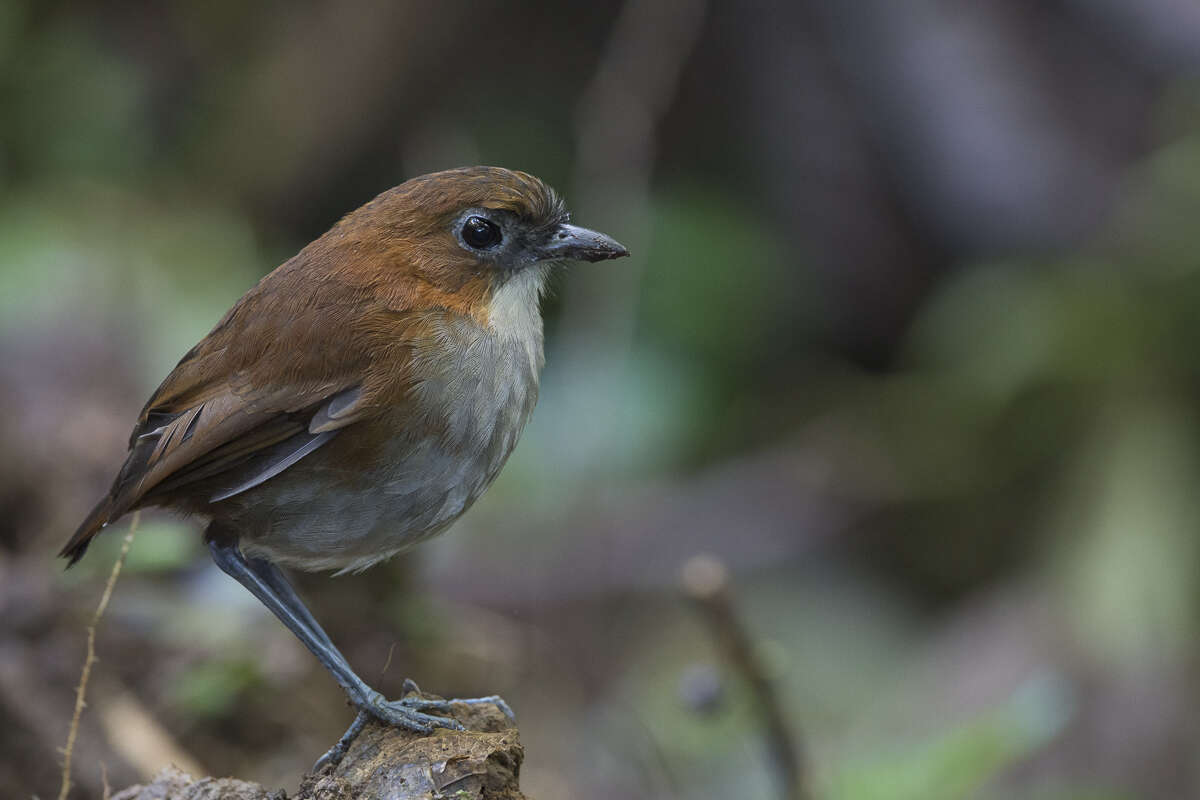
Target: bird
{"points": [[359, 398]]}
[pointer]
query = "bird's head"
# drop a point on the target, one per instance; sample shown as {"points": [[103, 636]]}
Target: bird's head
{"points": [[462, 235]]}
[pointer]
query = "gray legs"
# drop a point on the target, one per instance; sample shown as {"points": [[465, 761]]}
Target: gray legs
{"points": [[264, 580]]}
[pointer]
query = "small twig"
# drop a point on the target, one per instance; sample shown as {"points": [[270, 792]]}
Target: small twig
{"points": [[706, 583], [85, 674], [388, 662]]}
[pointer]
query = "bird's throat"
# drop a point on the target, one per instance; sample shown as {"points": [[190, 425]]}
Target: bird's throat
{"points": [[514, 310]]}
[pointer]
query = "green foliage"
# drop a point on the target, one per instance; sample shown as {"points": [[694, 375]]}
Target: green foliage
{"points": [[162, 545], [72, 106], [952, 767], [209, 689], [709, 297], [958, 762]]}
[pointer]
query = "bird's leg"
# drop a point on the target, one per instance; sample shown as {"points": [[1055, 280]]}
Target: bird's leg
{"points": [[274, 578], [267, 583]]}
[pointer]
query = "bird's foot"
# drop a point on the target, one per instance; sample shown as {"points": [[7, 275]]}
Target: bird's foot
{"points": [[409, 713]]}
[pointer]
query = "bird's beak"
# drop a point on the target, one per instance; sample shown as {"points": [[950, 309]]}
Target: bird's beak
{"points": [[573, 242]]}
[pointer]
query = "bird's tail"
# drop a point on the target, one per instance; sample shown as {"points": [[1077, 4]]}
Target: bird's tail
{"points": [[77, 545]]}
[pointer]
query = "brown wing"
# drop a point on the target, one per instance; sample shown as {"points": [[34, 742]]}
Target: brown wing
{"points": [[244, 392]]}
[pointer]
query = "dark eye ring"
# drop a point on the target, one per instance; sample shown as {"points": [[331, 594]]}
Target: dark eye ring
{"points": [[479, 232]]}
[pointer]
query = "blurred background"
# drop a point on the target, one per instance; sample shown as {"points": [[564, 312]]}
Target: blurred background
{"points": [[908, 342]]}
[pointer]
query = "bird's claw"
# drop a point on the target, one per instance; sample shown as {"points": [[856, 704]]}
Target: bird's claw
{"points": [[492, 699]]}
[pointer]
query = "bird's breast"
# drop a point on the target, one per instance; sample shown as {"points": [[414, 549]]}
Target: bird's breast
{"points": [[474, 390], [416, 467]]}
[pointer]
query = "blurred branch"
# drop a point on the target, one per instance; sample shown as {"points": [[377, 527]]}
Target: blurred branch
{"points": [[633, 87], [706, 582], [137, 736], [90, 659]]}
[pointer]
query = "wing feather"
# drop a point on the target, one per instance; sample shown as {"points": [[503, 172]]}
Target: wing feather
{"points": [[299, 447], [240, 403]]}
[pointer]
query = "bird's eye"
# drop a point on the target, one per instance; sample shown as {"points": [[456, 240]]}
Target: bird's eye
{"points": [[480, 233]]}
